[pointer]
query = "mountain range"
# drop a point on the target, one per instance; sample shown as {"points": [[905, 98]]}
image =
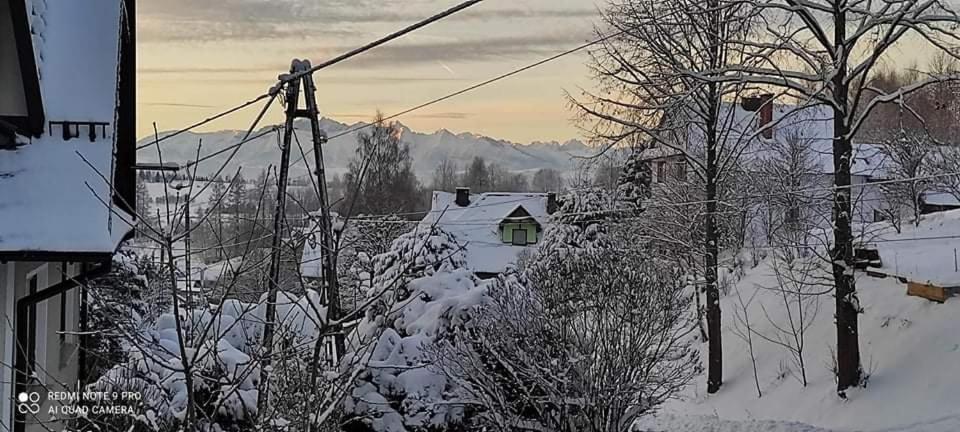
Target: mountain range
{"points": [[427, 150]]}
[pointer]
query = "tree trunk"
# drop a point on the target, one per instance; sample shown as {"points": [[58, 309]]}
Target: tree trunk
{"points": [[711, 245], [847, 305]]}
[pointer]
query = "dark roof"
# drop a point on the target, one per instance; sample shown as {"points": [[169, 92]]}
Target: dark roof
{"points": [[33, 122]]}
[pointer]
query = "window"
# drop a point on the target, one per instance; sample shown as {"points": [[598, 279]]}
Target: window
{"points": [[879, 216], [793, 216], [680, 171], [519, 237]]}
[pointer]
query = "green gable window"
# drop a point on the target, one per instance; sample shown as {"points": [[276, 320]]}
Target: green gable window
{"points": [[519, 228], [519, 234]]}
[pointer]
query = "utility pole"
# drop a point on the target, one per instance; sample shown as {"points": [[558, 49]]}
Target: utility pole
{"points": [[329, 275], [279, 214], [329, 258]]}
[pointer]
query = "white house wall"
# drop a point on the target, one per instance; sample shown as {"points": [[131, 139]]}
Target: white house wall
{"points": [[59, 365], [867, 198]]}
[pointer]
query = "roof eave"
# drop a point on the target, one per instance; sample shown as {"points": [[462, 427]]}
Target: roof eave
{"points": [[33, 123], [70, 256]]}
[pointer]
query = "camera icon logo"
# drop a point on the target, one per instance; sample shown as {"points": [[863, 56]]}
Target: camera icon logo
{"points": [[28, 403]]}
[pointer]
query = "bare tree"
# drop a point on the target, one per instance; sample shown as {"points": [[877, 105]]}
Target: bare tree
{"points": [[908, 155], [660, 79], [477, 176], [945, 164], [445, 176], [824, 52], [744, 330], [383, 169], [799, 290], [546, 180], [792, 182]]}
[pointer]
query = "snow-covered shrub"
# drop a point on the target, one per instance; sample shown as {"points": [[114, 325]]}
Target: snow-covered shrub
{"points": [[588, 334], [359, 241], [132, 295], [633, 185], [221, 348], [418, 294]]}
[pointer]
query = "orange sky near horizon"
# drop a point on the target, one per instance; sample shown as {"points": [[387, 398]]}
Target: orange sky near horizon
{"points": [[193, 66], [196, 59]]}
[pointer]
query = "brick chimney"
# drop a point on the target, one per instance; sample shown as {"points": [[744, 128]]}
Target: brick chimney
{"points": [[766, 114], [763, 105], [551, 202], [463, 197]]}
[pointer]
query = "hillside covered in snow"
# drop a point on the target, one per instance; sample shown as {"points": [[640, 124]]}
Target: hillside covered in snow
{"points": [[909, 345], [427, 150]]}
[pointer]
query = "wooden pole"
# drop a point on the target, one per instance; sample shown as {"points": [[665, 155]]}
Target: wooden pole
{"points": [[279, 213], [329, 258]]}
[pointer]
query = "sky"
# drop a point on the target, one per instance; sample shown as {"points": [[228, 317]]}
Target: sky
{"points": [[199, 57]]}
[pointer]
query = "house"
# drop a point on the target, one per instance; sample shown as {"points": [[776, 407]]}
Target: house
{"points": [[192, 290], [935, 202], [759, 127], [67, 156], [493, 228]]}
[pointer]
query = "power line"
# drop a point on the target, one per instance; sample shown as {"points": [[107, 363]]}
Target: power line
{"points": [[395, 35], [475, 86], [207, 120], [286, 78], [270, 130]]}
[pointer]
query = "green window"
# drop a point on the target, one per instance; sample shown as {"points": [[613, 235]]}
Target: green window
{"points": [[519, 234]]}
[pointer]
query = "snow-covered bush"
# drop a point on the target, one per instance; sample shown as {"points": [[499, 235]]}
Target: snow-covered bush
{"points": [[418, 294], [359, 241], [131, 295], [589, 334], [221, 345]]}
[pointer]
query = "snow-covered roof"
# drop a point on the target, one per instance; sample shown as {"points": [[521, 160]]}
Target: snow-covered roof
{"points": [[477, 225], [941, 199], [811, 124], [56, 193], [924, 253]]}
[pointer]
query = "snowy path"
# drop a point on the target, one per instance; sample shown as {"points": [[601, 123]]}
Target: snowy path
{"points": [[669, 423], [693, 423]]}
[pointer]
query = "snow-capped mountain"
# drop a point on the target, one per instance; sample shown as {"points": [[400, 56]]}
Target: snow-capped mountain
{"points": [[427, 149]]}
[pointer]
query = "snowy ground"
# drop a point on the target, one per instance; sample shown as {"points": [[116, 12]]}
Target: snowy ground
{"points": [[910, 348], [693, 423]]}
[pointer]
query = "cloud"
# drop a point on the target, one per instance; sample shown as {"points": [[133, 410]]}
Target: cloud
{"points": [[409, 53], [177, 105], [528, 47], [218, 20], [439, 115]]}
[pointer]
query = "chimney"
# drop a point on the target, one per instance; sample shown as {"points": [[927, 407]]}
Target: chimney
{"points": [[763, 105], [766, 114], [463, 196], [551, 202]]}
